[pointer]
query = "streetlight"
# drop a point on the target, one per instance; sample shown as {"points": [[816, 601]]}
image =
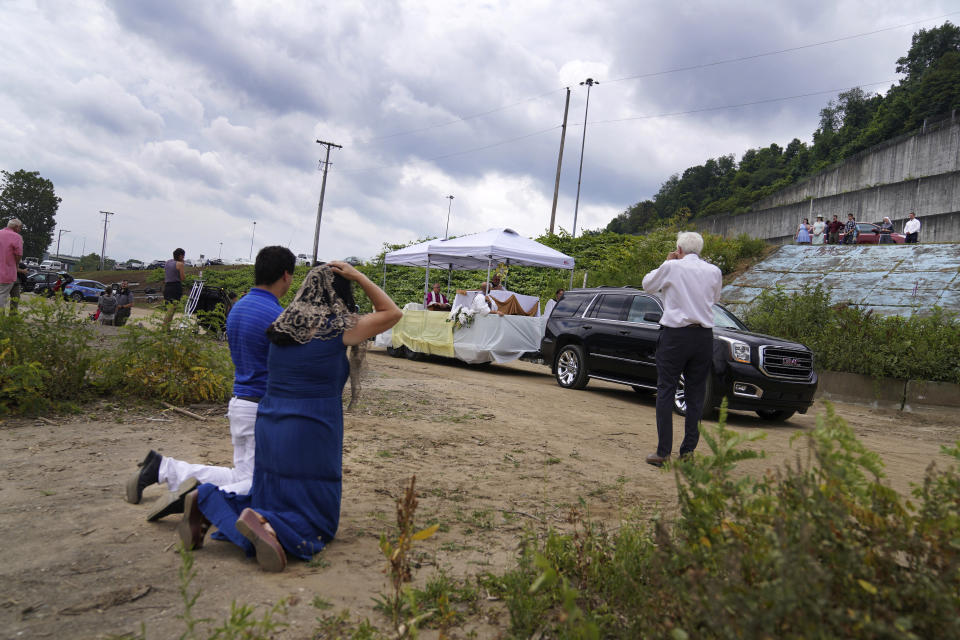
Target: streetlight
{"points": [[252, 235], [60, 233], [220, 251], [446, 232], [103, 248], [589, 82]]}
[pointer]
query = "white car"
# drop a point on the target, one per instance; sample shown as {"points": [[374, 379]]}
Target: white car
{"points": [[51, 265]]}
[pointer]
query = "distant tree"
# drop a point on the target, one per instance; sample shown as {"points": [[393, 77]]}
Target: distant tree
{"points": [[926, 48], [29, 197], [91, 262]]}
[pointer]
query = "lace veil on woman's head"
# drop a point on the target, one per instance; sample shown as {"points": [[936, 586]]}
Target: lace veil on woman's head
{"points": [[322, 309]]}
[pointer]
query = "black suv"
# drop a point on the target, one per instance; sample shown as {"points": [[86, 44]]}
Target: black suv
{"points": [[611, 334]]}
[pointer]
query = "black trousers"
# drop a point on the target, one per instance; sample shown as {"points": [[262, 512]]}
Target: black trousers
{"points": [[687, 350], [912, 238]]}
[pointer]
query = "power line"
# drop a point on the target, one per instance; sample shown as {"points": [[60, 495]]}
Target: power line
{"points": [[733, 106], [627, 119], [663, 72], [779, 51]]}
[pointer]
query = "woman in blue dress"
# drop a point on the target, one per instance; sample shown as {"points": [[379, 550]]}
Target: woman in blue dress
{"points": [[803, 232], [294, 503]]}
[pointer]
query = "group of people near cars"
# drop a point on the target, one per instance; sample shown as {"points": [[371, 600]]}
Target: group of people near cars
{"points": [[282, 494], [821, 232]]}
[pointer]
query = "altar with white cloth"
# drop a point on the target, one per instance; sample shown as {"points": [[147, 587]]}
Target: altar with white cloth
{"points": [[527, 303], [490, 338]]}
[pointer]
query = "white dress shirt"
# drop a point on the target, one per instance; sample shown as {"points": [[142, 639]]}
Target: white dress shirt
{"points": [[688, 287], [912, 226]]}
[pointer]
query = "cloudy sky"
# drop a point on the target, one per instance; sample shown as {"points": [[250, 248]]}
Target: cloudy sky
{"points": [[193, 120]]}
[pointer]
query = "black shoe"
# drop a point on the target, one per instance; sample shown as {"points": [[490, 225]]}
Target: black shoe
{"points": [[147, 474], [656, 460], [173, 501]]}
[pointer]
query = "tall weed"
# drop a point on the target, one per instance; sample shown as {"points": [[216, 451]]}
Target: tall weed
{"points": [[818, 548], [47, 349], [846, 338]]}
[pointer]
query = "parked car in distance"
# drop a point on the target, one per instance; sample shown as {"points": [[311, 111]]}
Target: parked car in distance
{"points": [[214, 262], [51, 265], [40, 281], [157, 264], [31, 262], [612, 333], [303, 259], [135, 265], [869, 233], [84, 290]]}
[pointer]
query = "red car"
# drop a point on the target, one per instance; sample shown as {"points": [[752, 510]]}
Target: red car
{"points": [[868, 233]]}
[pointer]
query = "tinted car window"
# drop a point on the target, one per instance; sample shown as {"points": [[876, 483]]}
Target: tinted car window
{"points": [[609, 307], [725, 319], [641, 305], [568, 306]]}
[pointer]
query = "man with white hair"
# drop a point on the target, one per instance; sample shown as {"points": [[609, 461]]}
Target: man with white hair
{"points": [[688, 287], [11, 250]]}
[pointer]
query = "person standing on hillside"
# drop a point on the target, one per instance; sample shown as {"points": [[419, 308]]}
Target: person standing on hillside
{"points": [[689, 287], [834, 231], [247, 325], [850, 230], [819, 231], [803, 232], [11, 250], [912, 229], [173, 277]]}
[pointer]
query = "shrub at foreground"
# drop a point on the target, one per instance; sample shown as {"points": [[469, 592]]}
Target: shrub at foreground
{"points": [[51, 357], [818, 549], [846, 338], [45, 355]]}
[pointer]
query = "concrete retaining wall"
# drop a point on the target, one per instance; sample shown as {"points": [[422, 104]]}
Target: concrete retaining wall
{"points": [[886, 393], [919, 173], [900, 160], [936, 201]]}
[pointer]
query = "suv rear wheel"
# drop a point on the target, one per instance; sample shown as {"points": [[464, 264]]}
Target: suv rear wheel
{"points": [[680, 397], [76, 296], [571, 367], [776, 415]]}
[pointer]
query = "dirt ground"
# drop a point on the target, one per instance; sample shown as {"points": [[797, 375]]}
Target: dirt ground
{"points": [[495, 450]]}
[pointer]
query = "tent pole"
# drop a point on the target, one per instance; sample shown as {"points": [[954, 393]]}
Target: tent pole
{"points": [[506, 276], [426, 280], [571, 279], [489, 260], [384, 287], [449, 277]]}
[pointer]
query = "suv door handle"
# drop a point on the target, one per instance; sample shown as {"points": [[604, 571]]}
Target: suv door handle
{"points": [[624, 332], [588, 326]]}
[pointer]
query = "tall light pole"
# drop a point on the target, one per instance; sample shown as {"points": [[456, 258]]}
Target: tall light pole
{"points": [[103, 248], [60, 233], [252, 235], [220, 252], [589, 82], [446, 232], [556, 185], [323, 188]]}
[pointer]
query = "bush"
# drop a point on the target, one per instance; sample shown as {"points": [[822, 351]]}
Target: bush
{"points": [[179, 366], [45, 351], [821, 548], [846, 338]]}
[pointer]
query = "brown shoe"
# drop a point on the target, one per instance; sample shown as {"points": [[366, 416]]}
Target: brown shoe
{"points": [[656, 460], [255, 528], [193, 528]]}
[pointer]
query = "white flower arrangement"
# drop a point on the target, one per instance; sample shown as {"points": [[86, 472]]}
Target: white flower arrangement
{"points": [[461, 317]]}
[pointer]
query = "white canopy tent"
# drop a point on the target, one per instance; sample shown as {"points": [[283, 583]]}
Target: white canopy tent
{"points": [[477, 251]]}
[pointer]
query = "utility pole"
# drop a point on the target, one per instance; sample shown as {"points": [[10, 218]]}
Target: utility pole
{"points": [[252, 236], [60, 233], [446, 232], [556, 185], [589, 82], [220, 252], [323, 188], [103, 248]]}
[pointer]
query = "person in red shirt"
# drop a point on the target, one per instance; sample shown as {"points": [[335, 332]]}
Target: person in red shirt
{"points": [[11, 250]]}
